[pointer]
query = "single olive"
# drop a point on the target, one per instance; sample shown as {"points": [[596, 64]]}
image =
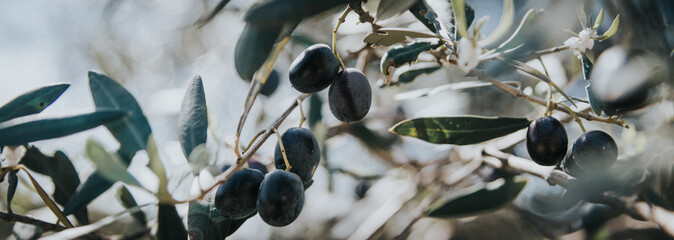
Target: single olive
{"points": [[595, 150], [280, 198], [272, 83], [314, 69], [254, 164], [350, 96], [302, 151], [547, 141], [236, 198]]}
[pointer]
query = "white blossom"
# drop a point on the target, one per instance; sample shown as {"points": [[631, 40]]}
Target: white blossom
{"points": [[469, 54], [584, 41], [11, 155]]}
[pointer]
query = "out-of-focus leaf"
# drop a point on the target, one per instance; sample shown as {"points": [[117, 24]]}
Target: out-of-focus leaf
{"points": [[94, 186], [253, 48], [600, 18], [386, 9], [31, 131], [204, 221], [315, 110], [63, 174], [503, 26], [133, 131], [205, 19], [475, 201], [32, 102], [47, 201], [170, 225], [198, 159], [371, 139], [410, 75], [158, 168], [463, 130], [587, 67], [74, 233], [612, 30], [390, 36], [282, 11], [440, 14], [193, 117], [522, 33], [128, 201], [419, 10], [462, 13], [403, 54], [287, 30], [447, 87], [11, 189], [109, 165]]}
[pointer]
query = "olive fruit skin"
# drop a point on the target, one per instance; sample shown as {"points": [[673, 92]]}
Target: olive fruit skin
{"points": [[280, 198], [270, 86], [236, 198], [350, 96], [594, 150], [314, 69], [547, 141], [253, 48], [302, 150]]}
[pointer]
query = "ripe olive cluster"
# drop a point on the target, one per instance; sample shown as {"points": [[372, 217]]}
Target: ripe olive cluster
{"points": [[278, 196], [316, 68], [547, 145]]}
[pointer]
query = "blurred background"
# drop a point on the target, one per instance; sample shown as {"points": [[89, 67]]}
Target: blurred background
{"points": [[153, 49]]}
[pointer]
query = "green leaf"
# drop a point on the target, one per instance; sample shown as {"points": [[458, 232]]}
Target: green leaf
{"points": [[410, 75], [522, 33], [463, 130], [475, 201], [13, 181], [315, 110], [109, 165], [460, 17], [133, 131], [403, 54], [63, 174], [390, 36], [31, 131], [94, 186], [503, 26], [273, 12], [386, 9], [600, 18], [128, 202], [253, 48], [204, 221], [612, 30], [158, 168], [419, 10], [199, 158], [32, 102], [170, 225], [587, 67], [193, 117], [597, 105]]}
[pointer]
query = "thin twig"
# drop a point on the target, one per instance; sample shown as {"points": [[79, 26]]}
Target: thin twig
{"points": [[283, 150], [518, 93], [340, 20], [45, 226]]}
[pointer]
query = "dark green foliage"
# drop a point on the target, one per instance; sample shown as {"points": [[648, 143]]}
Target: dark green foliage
{"points": [[94, 186], [302, 150], [32, 102], [419, 10], [170, 224], [193, 118], [128, 201], [314, 69], [236, 198], [459, 130], [411, 75], [13, 181], [404, 54], [271, 84], [547, 141], [350, 96], [253, 48], [205, 222], [281, 198], [282, 11], [595, 151], [63, 174], [315, 110], [26, 132], [475, 201]]}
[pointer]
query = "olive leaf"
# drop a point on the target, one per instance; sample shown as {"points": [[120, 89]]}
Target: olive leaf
{"points": [[612, 30], [193, 117], [13, 181], [170, 224], [523, 32], [32, 102], [462, 130], [127, 200], [109, 165], [477, 200], [410, 75], [204, 221], [274, 12], [385, 9], [419, 10], [404, 54], [390, 36], [158, 168], [503, 26], [19, 133]]}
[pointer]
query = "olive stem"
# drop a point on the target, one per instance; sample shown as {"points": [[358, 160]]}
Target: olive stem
{"points": [[575, 117], [340, 20], [283, 150], [518, 93], [253, 140], [302, 117], [548, 110]]}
